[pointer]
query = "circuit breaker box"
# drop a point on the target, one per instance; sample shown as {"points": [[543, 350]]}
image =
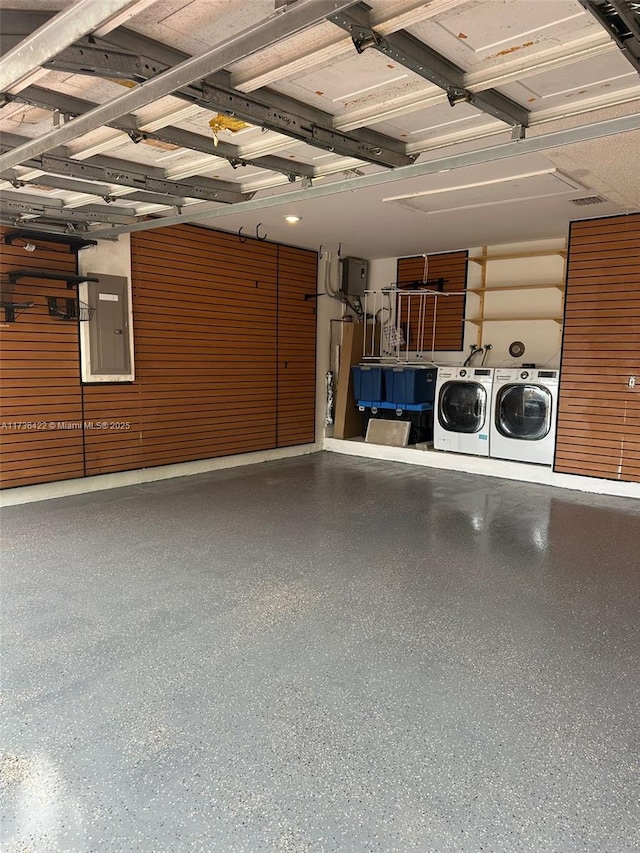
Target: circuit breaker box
{"points": [[355, 274], [109, 326]]}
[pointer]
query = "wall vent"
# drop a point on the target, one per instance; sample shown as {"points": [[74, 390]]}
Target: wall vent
{"points": [[590, 199]]}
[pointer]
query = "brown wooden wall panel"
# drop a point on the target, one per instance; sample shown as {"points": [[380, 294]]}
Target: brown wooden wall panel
{"points": [[296, 325], [452, 267], [598, 431], [41, 400], [205, 353], [210, 315]]}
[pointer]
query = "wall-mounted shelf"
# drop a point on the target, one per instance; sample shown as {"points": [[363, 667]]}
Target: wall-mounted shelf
{"points": [[74, 243], [71, 280], [544, 308], [542, 253], [479, 321], [503, 288]]}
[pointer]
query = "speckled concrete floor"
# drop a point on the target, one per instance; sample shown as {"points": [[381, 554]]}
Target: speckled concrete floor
{"points": [[322, 654]]}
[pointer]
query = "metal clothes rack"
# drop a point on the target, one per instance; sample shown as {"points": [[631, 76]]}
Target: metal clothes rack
{"points": [[384, 339]]}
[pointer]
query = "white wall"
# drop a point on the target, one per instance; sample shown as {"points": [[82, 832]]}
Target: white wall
{"points": [[109, 257], [542, 338], [328, 309]]}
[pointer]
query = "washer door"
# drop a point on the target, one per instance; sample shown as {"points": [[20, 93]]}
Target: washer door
{"points": [[462, 406], [523, 412]]}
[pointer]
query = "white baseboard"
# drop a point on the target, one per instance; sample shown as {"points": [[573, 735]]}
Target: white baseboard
{"points": [[83, 485], [482, 465]]}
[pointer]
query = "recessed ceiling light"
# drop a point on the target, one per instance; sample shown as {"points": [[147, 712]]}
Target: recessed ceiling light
{"points": [[292, 218]]}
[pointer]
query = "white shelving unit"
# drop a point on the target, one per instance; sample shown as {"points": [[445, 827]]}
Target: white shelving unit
{"points": [[484, 315]]}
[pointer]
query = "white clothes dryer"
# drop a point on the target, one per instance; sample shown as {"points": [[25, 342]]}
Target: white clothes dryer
{"points": [[524, 413], [463, 404]]}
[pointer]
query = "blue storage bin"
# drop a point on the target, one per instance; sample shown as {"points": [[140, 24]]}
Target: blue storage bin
{"points": [[368, 383], [409, 385]]}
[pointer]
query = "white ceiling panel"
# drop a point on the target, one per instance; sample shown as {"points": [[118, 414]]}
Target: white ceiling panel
{"points": [[580, 79], [487, 30], [352, 82], [431, 122], [84, 86], [488, 191], [195, 25]]}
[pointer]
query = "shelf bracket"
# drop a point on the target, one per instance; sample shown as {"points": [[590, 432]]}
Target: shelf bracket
{"points": [[12, 310]]}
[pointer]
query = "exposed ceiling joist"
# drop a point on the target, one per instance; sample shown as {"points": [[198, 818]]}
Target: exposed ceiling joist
{"points": [[299, 121], [92, 189], [139, 58], [301, 15], [621, 19], [108, 170], [99, 190], [422, 60], [505, 151], [507, 71], [147, 198], [70, 106], [54, 35], [40, 227], [18, 205]]}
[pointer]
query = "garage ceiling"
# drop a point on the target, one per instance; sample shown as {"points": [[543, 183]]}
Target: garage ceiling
{"points": [[390, 128]]}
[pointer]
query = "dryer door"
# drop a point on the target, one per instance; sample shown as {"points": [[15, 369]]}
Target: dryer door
{"points": [[523, 412], [462, 406]]}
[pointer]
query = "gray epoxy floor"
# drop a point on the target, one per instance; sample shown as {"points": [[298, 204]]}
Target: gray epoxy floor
{"points": [[322, 654]]}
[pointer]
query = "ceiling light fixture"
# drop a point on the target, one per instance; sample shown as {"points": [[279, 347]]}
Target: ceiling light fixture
{"points": [[291, 218]]}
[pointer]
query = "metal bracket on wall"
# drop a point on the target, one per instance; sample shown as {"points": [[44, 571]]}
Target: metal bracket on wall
{"points": [[71, 280], [74, 243], [12, 310]]}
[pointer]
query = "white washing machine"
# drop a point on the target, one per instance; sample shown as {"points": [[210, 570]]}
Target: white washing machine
{"points": [[463, 400], [524, 413]]}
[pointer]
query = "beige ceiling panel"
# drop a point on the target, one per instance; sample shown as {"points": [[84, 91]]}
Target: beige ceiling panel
{"points": [[434, 121], [103, 140], [326, 42], [196, 25], [269, 143], [580, 79], [83, 86], [484, 191], [25, 121], [166, 109], [483, 32], [476, 136], [352, 81], [392, 109], [321, 44]]}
